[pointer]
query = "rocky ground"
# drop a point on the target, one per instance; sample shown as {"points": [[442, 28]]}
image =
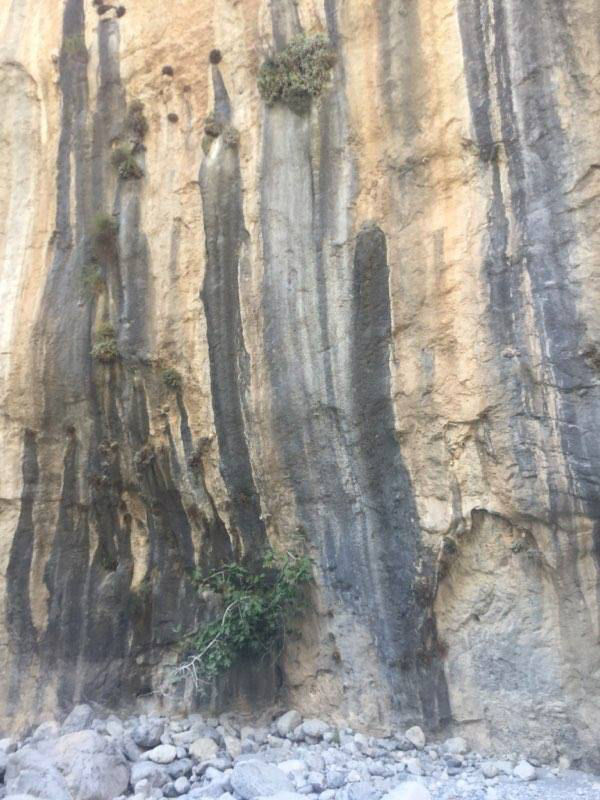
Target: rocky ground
{"points": [[88, 758]]}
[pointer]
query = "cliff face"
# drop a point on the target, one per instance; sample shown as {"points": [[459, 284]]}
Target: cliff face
{"points": [[384, 314]]}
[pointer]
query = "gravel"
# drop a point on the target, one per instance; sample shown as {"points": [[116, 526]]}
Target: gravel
{"points": [[150, 758]]}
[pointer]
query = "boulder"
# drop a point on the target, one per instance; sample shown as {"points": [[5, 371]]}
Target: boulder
{"points": [[252, 779], [315, 728], [456, 746], [416, 737], [29, 771], [79, 719], [162, 754], [154, 773], [525, 771], [93, 767], [233, 745], [203, 749], [287, 722], [147, 734], [411, 790]]}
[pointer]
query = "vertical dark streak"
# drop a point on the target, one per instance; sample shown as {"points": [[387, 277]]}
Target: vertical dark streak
{"points": [[19, 621], [220, 186]]}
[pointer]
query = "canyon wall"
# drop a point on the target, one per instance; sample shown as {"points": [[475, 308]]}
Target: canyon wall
{"points": [[384, 316]]}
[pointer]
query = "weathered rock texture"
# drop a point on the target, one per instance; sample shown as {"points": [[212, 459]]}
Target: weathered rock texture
{"points": [[385, 318]]}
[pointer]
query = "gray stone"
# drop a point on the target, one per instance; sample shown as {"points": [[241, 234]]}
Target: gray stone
{"points": [[203, 748], [93, 767], [47, 730], [456, 746], [78, 720], [413, 765], [315, 728], [408, 791], [283, 796], [162, 754], [252, 779], [182, 785], [525, 771], [360, 790], [288, 722], [416, 737], [182, 766], [335, 779], [147, 735], [233, 745], [489, 769], [155, 773], [31, 772]]}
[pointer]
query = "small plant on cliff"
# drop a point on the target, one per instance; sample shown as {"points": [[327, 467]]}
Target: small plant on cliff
{"points": [[105, 347], [172, 379], [124, 161], [135, 120], [258, 605], [298, 73]]}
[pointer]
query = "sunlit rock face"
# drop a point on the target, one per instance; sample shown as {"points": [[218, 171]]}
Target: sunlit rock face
{"points": [[384, 315]]}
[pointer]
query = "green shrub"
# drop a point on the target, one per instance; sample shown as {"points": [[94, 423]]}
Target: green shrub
{"points": [[123, 160], [92, 281], [298, 73], [172, 379], [105, 348], [258, 606], [135, 121]]}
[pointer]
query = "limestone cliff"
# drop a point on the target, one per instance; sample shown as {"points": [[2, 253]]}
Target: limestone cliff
{"points": [[384, 316]]}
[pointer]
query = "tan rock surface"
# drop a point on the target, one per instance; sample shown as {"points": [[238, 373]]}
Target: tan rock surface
{"points": [[385, 318]]}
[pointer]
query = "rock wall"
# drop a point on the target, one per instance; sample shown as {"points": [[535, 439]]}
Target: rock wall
{"points": [[384, 317]]}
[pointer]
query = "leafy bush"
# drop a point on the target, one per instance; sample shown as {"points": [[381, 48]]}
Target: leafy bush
{"points": [[123, 159], [105, 348], [297, 73], [258, 606], [172, 379]]}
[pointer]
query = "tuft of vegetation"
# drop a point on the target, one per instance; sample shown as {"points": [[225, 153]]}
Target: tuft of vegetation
{"points": [[231, 136], [103, 8], [124, 161], [104, 236], [215, 56], [258, 604], [92, 281], [135, 120], [212, 126], [167, 70], [297, 73], [172, 117], [172, 379], [74, 46], [120, 11], [105, 348]]}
